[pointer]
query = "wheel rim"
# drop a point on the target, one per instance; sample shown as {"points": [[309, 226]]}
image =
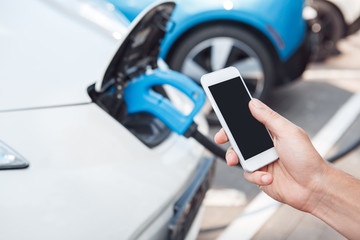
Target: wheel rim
{"points": [[219, 52]]}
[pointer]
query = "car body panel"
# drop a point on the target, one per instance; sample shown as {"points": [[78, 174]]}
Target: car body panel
{"points": [[49, 71], [287, 28], [92, 190]]}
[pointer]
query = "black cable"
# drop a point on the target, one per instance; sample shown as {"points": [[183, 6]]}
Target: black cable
{"points": [[206, 142], [219, 152], [210, 145], [345, 151]]}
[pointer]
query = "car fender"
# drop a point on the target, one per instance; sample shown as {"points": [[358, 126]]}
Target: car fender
{"points": [[286, 34]]}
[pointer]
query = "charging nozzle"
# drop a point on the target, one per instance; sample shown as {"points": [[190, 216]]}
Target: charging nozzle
{"points": [[140, 97]]}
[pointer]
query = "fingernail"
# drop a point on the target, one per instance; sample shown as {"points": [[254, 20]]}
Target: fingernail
{"points": [[228, 155], [265, 179], [256, 103]]}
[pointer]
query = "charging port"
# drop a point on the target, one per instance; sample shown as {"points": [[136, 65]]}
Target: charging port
{"points": [[147, 128], [137, 54]]}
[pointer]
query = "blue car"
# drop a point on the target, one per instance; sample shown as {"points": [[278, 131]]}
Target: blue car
{"points": [[266, 40]]}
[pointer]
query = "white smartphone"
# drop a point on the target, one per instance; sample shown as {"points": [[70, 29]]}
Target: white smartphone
{"points": [[249, 138]]}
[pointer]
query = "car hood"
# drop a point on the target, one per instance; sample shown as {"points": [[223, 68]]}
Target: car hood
{"points": [[89, 177], [49, 57]]}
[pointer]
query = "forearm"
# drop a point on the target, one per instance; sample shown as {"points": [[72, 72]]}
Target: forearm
{"points": [[338, 203]]}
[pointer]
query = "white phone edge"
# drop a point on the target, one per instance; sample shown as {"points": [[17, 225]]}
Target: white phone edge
{"points": [[258, 161]]}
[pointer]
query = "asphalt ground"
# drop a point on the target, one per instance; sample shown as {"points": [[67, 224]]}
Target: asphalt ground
{"points": [[308, 102]]}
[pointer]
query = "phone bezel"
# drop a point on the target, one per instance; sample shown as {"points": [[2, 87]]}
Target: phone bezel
{"points": [[260, 160]]}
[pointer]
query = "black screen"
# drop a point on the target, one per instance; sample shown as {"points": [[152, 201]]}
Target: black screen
{"points": [[232, 99]]}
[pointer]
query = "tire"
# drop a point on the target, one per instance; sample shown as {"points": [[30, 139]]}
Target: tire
{"points": [[329, 27], [232, 46]]}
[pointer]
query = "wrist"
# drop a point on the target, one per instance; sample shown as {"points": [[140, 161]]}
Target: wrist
{"points": [[320, 189], [324, 199]]}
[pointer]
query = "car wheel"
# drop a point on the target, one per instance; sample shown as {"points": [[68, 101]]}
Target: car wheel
{"points": [[220, 46], [328, 26]]}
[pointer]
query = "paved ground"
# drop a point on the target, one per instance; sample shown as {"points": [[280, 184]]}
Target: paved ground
{"points": [[310, 103]]}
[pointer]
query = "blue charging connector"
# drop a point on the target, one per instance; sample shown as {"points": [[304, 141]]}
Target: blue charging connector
{"points": [[140, 97]]}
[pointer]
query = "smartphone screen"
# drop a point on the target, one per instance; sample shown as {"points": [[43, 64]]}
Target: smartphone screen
{"points": [[250, 135]]}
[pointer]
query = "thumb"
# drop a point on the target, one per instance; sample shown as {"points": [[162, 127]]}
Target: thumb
{"points": [[271, 119]]}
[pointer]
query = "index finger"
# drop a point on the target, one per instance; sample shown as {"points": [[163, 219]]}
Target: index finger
{"points": [[221, 137]]}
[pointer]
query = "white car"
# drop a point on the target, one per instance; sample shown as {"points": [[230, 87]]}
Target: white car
{"points": [[333, 20], [71, 170]]}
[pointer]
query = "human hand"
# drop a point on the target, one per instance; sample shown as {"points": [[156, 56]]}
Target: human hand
{"points": [[296, 176]]}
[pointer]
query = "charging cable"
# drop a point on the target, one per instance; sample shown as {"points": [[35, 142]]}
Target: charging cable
{"points": [[193, 132], [344, 151]]}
